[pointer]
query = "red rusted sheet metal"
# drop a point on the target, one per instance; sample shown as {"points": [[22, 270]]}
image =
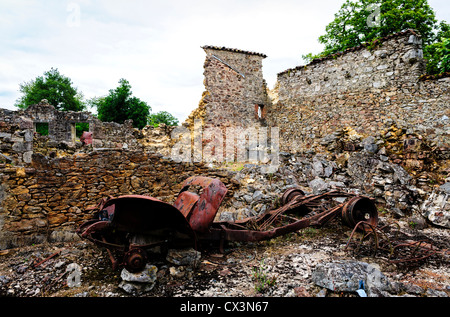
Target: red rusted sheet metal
{"points": [[204, 211], [145, 215], [86, 138], [186, 202], [136, 214]]}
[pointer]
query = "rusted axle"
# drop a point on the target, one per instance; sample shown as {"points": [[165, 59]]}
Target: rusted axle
{"points": [[281, 221]]}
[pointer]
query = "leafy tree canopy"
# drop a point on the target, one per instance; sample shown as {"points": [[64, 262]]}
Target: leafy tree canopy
{"points": [[119, 105], [165, 117], [363, 21], [438, 53], [54, 87]]}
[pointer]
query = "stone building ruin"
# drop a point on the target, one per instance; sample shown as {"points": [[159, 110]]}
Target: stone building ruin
{"points": [[235, 90], [374, 99]]}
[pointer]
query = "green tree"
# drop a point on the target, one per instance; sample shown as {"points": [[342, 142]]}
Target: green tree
{"points": [[165, 117], [437, 54], [53, 86], [120, 105], [362, 21]]}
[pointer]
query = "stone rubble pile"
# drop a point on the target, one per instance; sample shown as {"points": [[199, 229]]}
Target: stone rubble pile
{"points": [[366, 171]]}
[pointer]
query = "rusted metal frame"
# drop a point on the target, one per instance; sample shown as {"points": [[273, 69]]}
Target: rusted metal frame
{"points": [[114, 261], [242, 234], [121, 248], [149, 245], [228, 234], [309, 202], [46, 259], [373, 232], [96, 226], [100, 204], [417, 245], [274, 214]]}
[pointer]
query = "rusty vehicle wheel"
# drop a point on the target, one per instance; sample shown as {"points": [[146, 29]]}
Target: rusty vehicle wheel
{"points": [[290, 194], [135, 260], [360, 209]]}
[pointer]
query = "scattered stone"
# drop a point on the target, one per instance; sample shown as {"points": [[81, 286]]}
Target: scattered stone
{"points": [[346, 277], [318, 186], [136, 288], [188, 257], [369, 144], [141, 282], [301, 292], [148, 275], [322, 293], [177, 272], [436, 208]]}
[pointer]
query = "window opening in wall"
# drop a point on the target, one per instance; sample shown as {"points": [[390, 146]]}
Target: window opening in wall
{"points": [[41, 128], [80, 128], [77, 129], [260, 112]]}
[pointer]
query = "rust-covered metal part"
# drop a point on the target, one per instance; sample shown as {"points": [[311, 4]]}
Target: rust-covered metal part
{"points": [[299, 212], [133, 225], [390, 246], [200, 210]]}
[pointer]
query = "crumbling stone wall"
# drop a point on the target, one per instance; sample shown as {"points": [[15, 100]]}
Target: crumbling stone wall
{"points": [[49, 199], [396, 60], [366, 90], [19, 140], [363, 88], [16, 137], [235, 90], [229, 122]]}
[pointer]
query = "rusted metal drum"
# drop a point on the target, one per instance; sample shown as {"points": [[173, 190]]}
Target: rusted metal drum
{"points": [[359, 209]]}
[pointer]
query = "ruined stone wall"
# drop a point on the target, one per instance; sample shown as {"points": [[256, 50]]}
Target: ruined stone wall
{"points": [[365, 90], [19, 140], [61, 124], [396, 60], [16, 138], [234, 88], [115, 135], [366, 105], [49, 199]]}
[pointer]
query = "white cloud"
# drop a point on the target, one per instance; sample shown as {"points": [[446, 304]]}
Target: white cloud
{"points": [[155, 45]]}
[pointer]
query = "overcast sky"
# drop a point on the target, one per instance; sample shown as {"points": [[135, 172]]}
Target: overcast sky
{"points": [[155, 45]]}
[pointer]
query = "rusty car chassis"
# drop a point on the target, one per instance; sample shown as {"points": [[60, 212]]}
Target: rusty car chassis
{"points": [[132, 227]]}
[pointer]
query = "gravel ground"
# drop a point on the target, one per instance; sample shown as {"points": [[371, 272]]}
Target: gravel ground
{"points": [[286, 264]]}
